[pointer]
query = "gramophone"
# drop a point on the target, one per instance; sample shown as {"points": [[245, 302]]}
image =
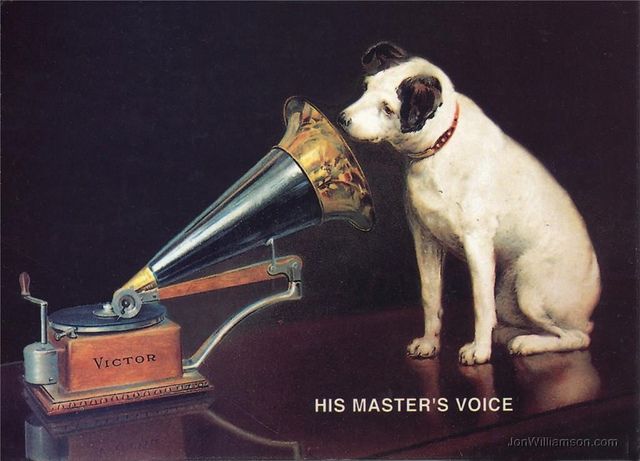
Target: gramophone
{"points": [[127, 350]]}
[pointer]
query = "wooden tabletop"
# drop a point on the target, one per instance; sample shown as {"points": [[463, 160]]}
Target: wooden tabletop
{"points": [[275, 382]]}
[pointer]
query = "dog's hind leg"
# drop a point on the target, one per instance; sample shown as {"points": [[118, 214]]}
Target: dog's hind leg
{"points": [[566, 340], [430, 255], [511, 322], [507, 310], [554, 339], [557, 294]]}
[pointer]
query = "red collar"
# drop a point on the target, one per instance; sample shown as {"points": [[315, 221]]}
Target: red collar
{"points": [[441, 141]]}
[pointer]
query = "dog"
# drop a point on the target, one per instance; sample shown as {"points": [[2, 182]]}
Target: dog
{"points": [[475, 192]]}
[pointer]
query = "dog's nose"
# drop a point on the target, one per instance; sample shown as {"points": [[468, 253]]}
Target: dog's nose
{"points": [[343, 121]]}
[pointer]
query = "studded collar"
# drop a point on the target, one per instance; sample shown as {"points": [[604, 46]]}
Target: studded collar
{"points": [[441, 141]]}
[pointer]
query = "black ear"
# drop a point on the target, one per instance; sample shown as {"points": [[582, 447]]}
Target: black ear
{"points": [[419, 97], [381, 56]]}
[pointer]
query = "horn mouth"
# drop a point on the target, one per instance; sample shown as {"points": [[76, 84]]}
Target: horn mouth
{"points": [[329, 163]]}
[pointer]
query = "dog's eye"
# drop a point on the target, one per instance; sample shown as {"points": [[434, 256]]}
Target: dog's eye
{"points": [[387, 110]]}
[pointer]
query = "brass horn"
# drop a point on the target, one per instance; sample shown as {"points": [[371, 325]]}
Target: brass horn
{"points": [[311, 176]]}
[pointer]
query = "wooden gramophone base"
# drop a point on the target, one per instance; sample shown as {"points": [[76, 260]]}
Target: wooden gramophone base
{"points": [[54, 401]]}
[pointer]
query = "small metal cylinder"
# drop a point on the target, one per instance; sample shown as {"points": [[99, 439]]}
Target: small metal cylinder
{"points": [[40, 364]]}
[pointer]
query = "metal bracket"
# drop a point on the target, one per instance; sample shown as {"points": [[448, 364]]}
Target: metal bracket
{"points": [[149, 296], [68, 332], [291, 267]]}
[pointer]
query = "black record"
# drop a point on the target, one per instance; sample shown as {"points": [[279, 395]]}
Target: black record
{"points": [[83, 319]]}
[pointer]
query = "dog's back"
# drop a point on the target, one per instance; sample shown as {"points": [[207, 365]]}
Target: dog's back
{"points": [[538, 229]]}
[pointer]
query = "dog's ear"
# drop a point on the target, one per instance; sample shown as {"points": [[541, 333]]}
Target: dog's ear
{"points": [[381, 56], [419, 97]]}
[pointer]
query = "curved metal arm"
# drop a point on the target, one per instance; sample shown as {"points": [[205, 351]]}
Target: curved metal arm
{"points": [[293, 292]]}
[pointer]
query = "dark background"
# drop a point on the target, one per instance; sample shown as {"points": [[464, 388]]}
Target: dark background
{"points": [[121, 122]]}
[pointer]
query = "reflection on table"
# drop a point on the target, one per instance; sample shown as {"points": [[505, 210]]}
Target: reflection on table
{"points": [[267, 376]]}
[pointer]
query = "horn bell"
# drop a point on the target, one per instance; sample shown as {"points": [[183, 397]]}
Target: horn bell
{"points": [[316, 145]]}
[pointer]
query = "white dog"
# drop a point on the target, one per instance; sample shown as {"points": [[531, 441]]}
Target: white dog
{"points": [[474, 191]]}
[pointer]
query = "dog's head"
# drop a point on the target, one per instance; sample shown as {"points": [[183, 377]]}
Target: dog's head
{"points": [[402, 99]]}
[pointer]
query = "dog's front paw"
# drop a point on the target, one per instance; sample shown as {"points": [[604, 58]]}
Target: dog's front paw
{"points": [[474, 354], [423, 347]]}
